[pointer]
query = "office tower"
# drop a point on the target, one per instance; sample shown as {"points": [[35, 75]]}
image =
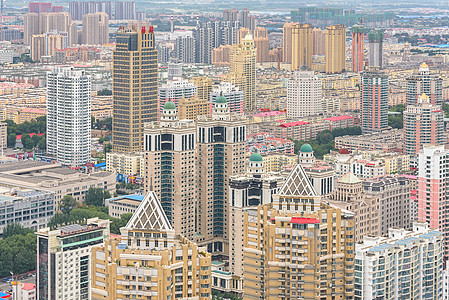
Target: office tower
{"points": [[231, 15], [335, 49], [287, 43], [80, 8], [45, 22], [358, 62], [261, 44], [170, 147], [234, 96], [150, 260], [381, 263], [174, 90], [39, 7], [304, 94], [298, 246], [250, 189], [375, 38], [64, 266], [241, 34], [203, 86], [301, 46], [394, 193], [191, 108], [423, 124], [221, 142], [320, 173], [246, 20], [69, 116], [134, 87], [243, 70], [124, 10], [185, 49], [95, 29], [433, 175], [374, 100], [424, 82], [350, 195], [318, 41]]}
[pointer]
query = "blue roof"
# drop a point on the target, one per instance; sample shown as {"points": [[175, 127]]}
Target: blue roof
{"points": [[430, 234], [131, 197], [221, 272], [406, 241], [3, 294], [103, 164], [382, 247]]}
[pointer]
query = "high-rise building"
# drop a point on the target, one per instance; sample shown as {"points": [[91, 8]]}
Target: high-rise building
{"points": [[335, 49], [246, 20], [432, 197], [229, 32], [64, 266], [374, 100], [46, 22], [424, 82], [381, 262], [174, 90], [261, 44], [231, 15], [191, 108], [301, 46], [185, 49], [95, 29], [318, 41], [394, 193], [221, 154], [243, 70], [234, 96], [298, 246], [349, 195], [170, 165], [304, 96], [375, 38], [134, 87], [46, 44], [69, 116], [80, 8], [150, 261], [358, 62], [203, 86], [37, 47], [423, 124], [241, 34], [124, 10], [39, 7], [287, 43], [250, 189]]}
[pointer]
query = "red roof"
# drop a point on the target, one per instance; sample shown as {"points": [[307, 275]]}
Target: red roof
{"points": [[343, 151], [28, 286], [19, 137], [291, 124], [297, 220], [440, 110], [339, 118]]}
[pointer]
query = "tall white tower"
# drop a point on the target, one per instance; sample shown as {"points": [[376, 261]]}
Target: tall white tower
{"points": [[304, 94], [69, 116]]}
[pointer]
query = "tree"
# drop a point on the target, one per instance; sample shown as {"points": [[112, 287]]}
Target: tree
{"points": [[104, 92], [116, 224], [107, 195], [11, 140], [15, 229], [67, 203], [95, 196], [42, 144], [18, 254], [27, 142]]}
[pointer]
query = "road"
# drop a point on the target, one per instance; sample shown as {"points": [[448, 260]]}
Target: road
{"points": [[5, 286]]}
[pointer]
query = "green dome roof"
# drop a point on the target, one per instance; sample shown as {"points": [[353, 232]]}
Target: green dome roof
{"points": [[255, 157], [221, 99], [306, 148], [169, 105]]}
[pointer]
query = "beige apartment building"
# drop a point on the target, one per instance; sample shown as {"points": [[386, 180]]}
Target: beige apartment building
{"points": [[301, 46], [95, 29], [191, 108], [335, 49], [203, 87], [150, 261], [287, 43], [125, 163], [298, 247]]}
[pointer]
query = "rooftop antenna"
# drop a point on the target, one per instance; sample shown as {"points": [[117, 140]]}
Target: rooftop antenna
{"points": [[197, 18], [171, 22]]}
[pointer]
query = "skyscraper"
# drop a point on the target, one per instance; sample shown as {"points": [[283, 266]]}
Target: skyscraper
{"points": [[78, 9], [335, 49], [39, 7], [423, 124], [231, 15], [262, 44], [375, 38], [69, 116], [95, 29], [304, 94], [318, 41], [185, 49], [358, 33], [221, 154], [424, 82], [134, 87], [433, 175], [125, 10], [301, 46], [246, 20], [34, 23], [298, 246], [243, 70], [374, 100], [287, 42]]}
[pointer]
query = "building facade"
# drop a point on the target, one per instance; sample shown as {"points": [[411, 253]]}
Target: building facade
{"points": [[301, 46], [358, 62], [304, 94], [424, 82], [335, 49], [95, 29], [375, 39]]}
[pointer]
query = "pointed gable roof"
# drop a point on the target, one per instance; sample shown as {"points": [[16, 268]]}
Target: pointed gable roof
{"points": [[297, 184], [349, 178], [149, 215]]}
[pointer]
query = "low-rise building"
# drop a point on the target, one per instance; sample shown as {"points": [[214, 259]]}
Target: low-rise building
{"points": [[125, 163], [274, 162], [123, 205], [25, 291], [403, 265], [27, 207], [388, 141], [265, 143], [28, 114]]}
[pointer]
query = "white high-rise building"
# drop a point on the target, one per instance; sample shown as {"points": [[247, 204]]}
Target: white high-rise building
{"points": [[304, 94], [69, 116]]}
